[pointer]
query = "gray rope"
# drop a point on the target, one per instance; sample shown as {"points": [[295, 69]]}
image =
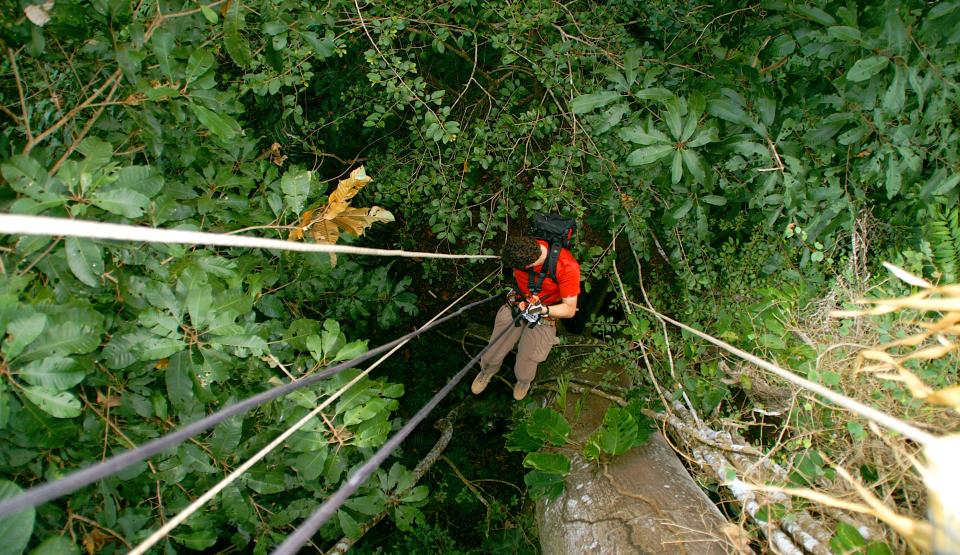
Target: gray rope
{"points": [[305, 531], [80, 478]]}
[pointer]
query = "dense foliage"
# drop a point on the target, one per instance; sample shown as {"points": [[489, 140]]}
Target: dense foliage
{"points": [[734, 148]]}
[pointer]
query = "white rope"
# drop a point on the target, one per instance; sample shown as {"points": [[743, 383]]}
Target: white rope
{"points": [[870, 413], [240, 470], [11, 224]]}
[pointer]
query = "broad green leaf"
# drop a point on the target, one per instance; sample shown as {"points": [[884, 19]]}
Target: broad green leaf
{"points": [[640, 135], [220, 125], [715, 200], [199, 63], [554, 463], [331, 339], [323, 47], [253, 342], [310, 464], [26, 176], [351, 350], [844, 33], [548, 425], [694, 164], [123, 202], [59, 404], [847, 540], [616, 435], [348, 524], [199, 300], [226, 436], [519, 439], [56, 545], [68, 338], [894, 179], [867, 67], [56, 373], [706, 135], [589, 102], [673, 118], [4, 405], [295, 185], [649, 154], [677, 213], [367, 504], [16, 529], [85, 259], [676, 167], [179, 380], [209, 14], [544, 484], [96, 152], [22, 332], [197, 540], [655, 93], [265, 482], [896, 95], [162, 44], [816, 14], [236, 44], [416, 495], [142, 179], [404, 516], [726, 109]]}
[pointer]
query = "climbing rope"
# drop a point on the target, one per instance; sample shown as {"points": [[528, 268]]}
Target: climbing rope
{"points": [[77, 479], [11, 224], [308, 528], [183, 515]]}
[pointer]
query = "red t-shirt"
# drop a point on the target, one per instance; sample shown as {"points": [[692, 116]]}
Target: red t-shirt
{"points": [[568, 274]]}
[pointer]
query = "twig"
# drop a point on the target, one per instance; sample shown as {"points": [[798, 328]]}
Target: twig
{"points": [[94, 523], [23, 100], [473, 489], [86, 129]]}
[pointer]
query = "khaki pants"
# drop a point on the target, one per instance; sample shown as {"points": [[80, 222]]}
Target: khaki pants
{"points": [[535, 344]]}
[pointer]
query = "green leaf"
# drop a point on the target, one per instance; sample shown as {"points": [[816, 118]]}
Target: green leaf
{"points": [[554, 463], [677, 213], [226, 436], [589, 102], [56, 545], [894, 179], [142, 179], [654, 93], [640, 135], [715, 200], [544, 484], [179, 380], [58, 404], [348, 524], [22, 332], [295, 185], [844, 33], [68, 338], [866, 68], [56, 373], [649, 154], [617, 434], [816, 14], [85, 259], [693, 163], [16, 529], [548, 425], [209, 14], [4, 405], [676, 167], [519, 439], [221, 125], [367, 504], [310, 464], [233, 40], [351, 350], [324, 47], [265, 482], [197, 540], [123, 202], [673, 118], [846, 540], [199, 63], [404, 516], [726, 109]]}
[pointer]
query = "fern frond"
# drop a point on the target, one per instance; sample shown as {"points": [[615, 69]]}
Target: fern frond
{"points": [[943, 234]]}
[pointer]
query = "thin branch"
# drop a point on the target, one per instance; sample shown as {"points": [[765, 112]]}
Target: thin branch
{"points": [[23, 100]]}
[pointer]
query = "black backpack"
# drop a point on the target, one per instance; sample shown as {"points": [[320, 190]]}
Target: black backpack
{"points": [[557, 231]]}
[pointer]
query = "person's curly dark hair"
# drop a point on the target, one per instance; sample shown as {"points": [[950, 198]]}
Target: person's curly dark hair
{"points": [[520, 251]]}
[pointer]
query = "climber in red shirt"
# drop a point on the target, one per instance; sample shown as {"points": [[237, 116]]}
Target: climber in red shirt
{"points": [[537, 327]]}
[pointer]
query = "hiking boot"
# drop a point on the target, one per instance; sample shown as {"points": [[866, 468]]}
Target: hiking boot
{"points": [[481, 381], [520, 390]]}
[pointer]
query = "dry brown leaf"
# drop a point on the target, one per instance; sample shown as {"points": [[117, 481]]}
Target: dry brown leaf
{"points": [[324, 224]]}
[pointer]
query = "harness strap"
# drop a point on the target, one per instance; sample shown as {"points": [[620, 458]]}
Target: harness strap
{"points": [[549, 268]]}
